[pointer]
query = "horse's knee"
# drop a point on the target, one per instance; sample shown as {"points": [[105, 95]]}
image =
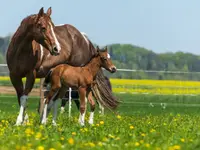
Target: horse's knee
{"points": [[82, 109]]}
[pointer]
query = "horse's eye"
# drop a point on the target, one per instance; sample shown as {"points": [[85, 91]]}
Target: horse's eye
{"points": [[43, 29]]}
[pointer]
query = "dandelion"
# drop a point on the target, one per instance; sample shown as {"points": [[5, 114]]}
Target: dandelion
{"points": [[176, 147], [62, 138], [23, 148], [111, 136], [131, 127], [147, 145], [100, 144], [101, 122], [71, 141], [40, 148], [73, 133], [152, 130], [91, 144], [182, 140], [28, 132], [119, 117], [97, 124], [38, 135], [52, 149], [143, 134], [137, 143]]}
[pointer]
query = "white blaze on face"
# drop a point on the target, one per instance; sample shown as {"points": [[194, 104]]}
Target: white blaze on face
{"points": [[108, 55], [56, 40]]}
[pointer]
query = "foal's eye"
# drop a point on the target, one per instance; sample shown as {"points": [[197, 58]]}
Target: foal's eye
{"points": [[43, 29]]}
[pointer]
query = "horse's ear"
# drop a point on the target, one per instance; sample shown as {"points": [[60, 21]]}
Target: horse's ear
{"points": [[49, 11], [41, 12], [97, 51], [106, 48]]}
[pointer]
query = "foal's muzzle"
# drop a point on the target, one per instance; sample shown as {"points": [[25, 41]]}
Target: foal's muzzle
{"points": [[113, 69]]}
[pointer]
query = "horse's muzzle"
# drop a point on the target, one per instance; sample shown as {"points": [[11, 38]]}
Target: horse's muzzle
{"points": [[113, 69], [54, 51]]}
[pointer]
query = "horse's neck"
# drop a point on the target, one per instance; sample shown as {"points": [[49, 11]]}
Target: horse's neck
{"points": [[94, 66]]}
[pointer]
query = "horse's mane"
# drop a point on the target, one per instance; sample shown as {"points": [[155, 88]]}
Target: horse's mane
{"points": [[23, 26]]}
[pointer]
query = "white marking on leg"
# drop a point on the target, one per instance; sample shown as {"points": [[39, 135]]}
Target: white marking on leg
{"points": [[44, 116], [55, 110], [20, 117], [91, 118], [70, 101], [82, 119], [56, 40], [62, 110], [41, 51]]}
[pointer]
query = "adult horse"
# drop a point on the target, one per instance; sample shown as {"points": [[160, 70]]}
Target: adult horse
{"points": [[31, 54]]}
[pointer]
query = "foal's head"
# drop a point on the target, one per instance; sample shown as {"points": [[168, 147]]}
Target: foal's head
{"points": [[106, 61], [43, 31]]}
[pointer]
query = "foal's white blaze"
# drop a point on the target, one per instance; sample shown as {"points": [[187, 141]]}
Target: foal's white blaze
{"points": [[108, 55], [42, 52], [20, 117], [56, 40]]}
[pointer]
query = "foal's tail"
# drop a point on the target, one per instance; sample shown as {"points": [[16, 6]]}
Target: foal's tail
{"points": [[47, 78]]}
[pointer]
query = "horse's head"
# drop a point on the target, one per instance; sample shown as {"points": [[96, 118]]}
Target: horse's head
{"points": [[106, 61], [43, 32]]}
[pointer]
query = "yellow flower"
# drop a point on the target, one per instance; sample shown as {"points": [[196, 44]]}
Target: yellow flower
{"points": [[73, 133], [147, 145], [40, 148], [100, 144], [137, 143], [38, 135], [62, 138], [97, 124], [23, 148], [52, 149], [119, 117], [131, 127], [152, 130], [92, 144], [176, 147], [101, 122], [71, 141], [111, 136], [28, 132], [143, 134], [182, 140]]}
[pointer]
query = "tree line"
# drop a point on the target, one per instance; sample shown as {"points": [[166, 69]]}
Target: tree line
{"points": [[129, 56]]}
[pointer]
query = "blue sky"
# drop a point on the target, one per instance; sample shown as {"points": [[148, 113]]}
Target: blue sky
{"points": [[159, 25]]}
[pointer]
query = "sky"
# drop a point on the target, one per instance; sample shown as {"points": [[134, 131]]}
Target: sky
{"points": [[158, 25]]}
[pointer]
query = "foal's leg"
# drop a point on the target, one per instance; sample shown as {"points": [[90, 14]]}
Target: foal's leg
{"points": [[63, 102], [82, 94], [92, 107], [18, 85]]}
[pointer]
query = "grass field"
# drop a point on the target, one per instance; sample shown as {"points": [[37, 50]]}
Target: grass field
{"points": [[154, 122]]}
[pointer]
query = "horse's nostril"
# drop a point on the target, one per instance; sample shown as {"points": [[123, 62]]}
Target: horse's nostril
{"points": [[55, 49]]}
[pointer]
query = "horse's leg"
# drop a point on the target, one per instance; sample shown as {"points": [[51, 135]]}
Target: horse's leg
{"points": [[63, 102], [82, 95], [30, 80], [92, 107], [56, 85], [18, 85], [61, 94]]}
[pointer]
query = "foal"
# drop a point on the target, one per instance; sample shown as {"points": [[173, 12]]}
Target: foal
{"points": [[82, 78]]}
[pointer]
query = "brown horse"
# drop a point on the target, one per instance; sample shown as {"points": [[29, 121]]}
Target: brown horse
{"points": [[82, 78], [31, 55], [22, 54]]}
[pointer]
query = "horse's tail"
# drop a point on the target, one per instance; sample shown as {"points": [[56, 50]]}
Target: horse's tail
{"points": [[103, 94]]}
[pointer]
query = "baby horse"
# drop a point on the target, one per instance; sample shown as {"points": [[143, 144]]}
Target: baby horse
{"points": [[82, 78]]}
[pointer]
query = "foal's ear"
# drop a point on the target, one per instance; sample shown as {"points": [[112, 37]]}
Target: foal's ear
{"points": [[49, 11], [98, 50], [106, 48]]}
